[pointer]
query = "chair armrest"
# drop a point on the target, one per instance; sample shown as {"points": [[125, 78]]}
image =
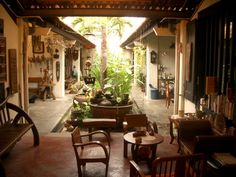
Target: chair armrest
{"points": [[98, 132], [135, 170], [152, 126], [98, 143]]}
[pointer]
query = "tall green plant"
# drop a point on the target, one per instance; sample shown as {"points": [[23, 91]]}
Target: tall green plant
{"points": [[104, 26], [119, 77], [96, 72]]}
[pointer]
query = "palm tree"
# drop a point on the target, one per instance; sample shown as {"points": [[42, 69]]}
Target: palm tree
{"points": [[105, 26]]}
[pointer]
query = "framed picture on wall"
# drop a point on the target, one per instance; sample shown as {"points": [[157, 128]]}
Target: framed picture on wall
{"points": [[38, 47], [153, 57], [1, 27], [13, 68]]}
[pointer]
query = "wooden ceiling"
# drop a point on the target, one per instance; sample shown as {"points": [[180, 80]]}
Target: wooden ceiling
{"points": [[137, 8]]}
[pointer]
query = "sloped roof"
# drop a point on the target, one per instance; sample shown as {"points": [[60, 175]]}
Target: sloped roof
{"points": [[137, 8], [145, 29], [59, 27]]}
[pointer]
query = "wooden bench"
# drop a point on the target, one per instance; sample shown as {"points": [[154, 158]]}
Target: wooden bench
{"points": [[91, 123], [14, 123]]}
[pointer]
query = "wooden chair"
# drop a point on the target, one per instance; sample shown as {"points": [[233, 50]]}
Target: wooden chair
{"points": [[173, 166], [90, 151], [133, 122]]}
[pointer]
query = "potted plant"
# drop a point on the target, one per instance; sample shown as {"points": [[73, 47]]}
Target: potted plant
{"points": [[113, 100], [141, 80]]}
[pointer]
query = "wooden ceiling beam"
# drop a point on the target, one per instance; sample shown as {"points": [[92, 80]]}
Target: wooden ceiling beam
{"points": [[106, 12]]}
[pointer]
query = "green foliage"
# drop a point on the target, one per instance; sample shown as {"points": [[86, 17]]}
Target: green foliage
{"points": [[141, 79], [86, 25], [91, 25], [117, 25], [140, 55], [119, 77], [81, 110], [95, 72]]}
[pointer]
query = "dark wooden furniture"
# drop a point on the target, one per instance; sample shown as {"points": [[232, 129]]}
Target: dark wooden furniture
{"points": [[187, 132], [200, 136], [173, 166], [193, 132], [14, 123], [146, 140], [174, 126], [34, 85], [90, 151], [115, 112], [136, 122], [99, 123]]}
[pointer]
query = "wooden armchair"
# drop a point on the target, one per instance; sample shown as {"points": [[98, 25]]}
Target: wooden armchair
{"points": [[90, 151], [187, 132], [173, 166], [138, 121], [134, 122]]}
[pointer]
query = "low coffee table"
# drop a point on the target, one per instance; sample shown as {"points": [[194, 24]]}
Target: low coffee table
{"points": [[146, 141]]}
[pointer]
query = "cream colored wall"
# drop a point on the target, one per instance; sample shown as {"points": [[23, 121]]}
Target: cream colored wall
{"points": [[59, 88], [36, 67], [11, 32], [165, 56], [151, 68]]}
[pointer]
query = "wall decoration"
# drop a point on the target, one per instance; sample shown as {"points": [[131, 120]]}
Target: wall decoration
{"points": [[38, 47], [2, 92], [153, 57], [56, 55], [75, 55], [3, 64], [13, 69], [1, 27], [58, 71]]}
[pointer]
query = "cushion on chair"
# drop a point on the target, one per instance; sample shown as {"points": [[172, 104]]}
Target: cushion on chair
{"points": [[93, 152]]}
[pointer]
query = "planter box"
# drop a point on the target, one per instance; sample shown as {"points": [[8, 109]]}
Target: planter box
{"points": [[116, 112]]}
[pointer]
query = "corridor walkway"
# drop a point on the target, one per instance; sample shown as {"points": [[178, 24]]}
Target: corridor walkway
{"points": [[46, 114]]}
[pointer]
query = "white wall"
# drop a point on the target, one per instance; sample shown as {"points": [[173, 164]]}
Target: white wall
{"points": [[165, 56], [11, 32], [59, 88]]}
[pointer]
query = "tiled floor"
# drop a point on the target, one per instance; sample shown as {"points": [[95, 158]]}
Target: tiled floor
{"points": [[55, 156], [46, 114]]}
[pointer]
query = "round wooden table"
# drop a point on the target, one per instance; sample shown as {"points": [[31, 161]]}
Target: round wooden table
{"points": [[146, 141]]}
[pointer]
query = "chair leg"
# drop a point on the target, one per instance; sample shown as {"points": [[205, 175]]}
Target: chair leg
{"points": [[80, 172], [125, 148], [106, 170]]}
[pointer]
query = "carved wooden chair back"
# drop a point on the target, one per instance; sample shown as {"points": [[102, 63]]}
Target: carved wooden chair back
{"points": [[87, 151], [134, 121], [173, 166]]}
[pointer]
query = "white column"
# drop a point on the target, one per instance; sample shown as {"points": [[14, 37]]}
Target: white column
{"points": [[177, 69], [59, 87], [183, 43], [148, 74]]}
